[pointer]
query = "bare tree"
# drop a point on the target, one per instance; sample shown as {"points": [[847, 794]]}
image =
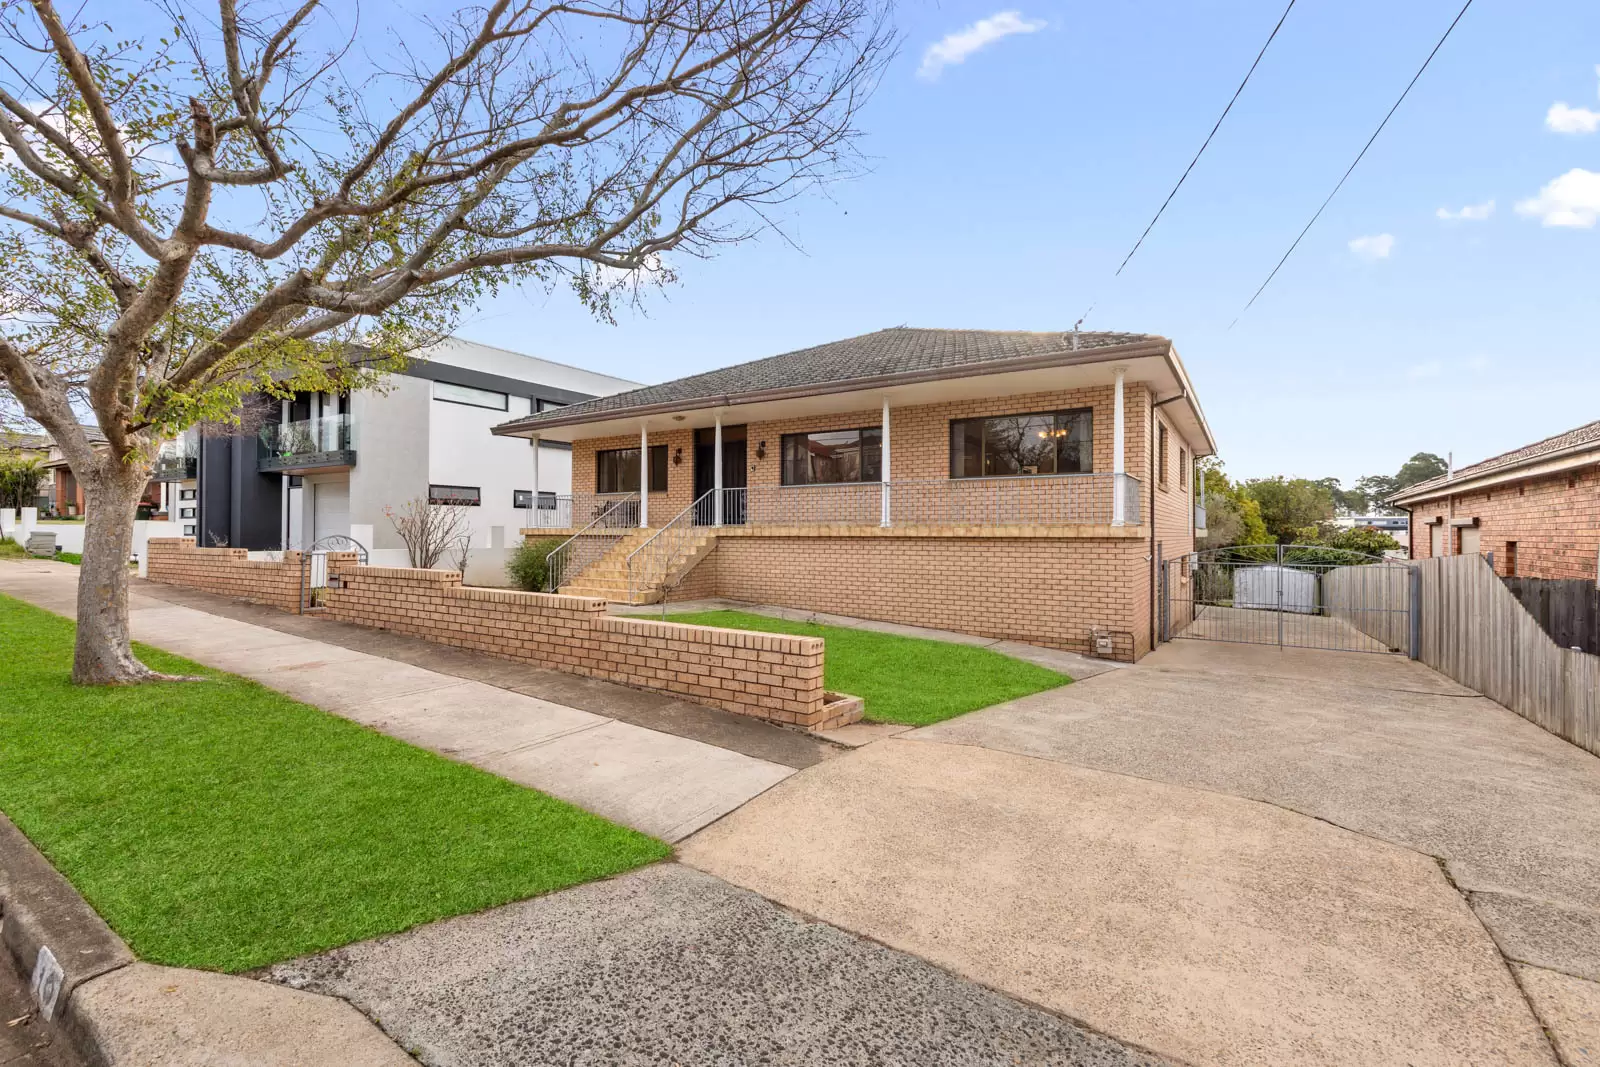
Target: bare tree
{"points": [[430, 530], [238, 207]]}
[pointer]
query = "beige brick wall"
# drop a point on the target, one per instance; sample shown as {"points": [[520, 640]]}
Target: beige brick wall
{"points": [[770, 676], [1042, 590], [226, 572], [919, 441], [1554, 520], [663, 506]]}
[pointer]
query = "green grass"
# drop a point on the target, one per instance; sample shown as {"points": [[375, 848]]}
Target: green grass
{"points": [[218, 824], [903, 679], [9, 549], [74, 558]]}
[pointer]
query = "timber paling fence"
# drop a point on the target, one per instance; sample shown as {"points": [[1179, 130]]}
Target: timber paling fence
{"points": [[1568, 609], [1475, 630]]}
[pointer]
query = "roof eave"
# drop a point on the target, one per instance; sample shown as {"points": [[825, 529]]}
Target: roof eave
{"points": [[1533, 467], [1063, 358]]}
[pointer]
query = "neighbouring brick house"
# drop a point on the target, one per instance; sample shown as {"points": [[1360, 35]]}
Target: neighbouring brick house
{"points": [[1537, 508], [1009, 484]]}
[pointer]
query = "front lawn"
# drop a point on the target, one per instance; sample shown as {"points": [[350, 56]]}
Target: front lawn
{"points": [[219, 824], [903, 679]]}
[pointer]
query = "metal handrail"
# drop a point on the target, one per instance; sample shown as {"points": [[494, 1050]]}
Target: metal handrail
{"points": [[661, 549], [558, 562]]}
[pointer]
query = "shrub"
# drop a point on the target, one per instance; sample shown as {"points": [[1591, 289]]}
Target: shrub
{"points": [[527, 567]]}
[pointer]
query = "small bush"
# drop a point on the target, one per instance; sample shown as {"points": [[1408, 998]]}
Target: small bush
{"points": [[527, 567]]}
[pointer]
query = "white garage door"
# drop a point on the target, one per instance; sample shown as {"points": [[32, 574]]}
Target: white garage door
{"points": [[332, 514]]}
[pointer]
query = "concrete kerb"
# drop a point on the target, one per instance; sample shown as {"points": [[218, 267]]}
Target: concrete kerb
{"points": [[69, 957]]}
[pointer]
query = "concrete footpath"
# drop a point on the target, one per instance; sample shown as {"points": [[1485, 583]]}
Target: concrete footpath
{"points": [[660, 783]]}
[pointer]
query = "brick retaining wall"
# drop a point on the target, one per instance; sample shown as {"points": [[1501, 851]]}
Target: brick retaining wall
{"points": [[769, 676]]}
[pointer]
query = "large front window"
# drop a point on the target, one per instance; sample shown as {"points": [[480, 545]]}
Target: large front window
{"points": [[833, 456], [616, 470], [1050, 442]]}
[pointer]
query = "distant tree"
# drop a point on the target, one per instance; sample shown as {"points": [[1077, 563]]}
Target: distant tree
{"points": [[1289, 506], [1377, 488], [1419, 468], [1345, 501], [1231, 517], [20, 478]]}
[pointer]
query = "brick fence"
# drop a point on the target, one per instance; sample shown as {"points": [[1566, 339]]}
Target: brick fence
{"points": [[227, 571], [769, 676]]}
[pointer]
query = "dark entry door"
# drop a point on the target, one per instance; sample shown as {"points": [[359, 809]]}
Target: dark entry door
{"points": [[734, 472]]}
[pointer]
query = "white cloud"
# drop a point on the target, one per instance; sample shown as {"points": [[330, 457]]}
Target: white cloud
{"points": [[1373, 248], [956, 47], [1431, 369], [1564, 119], [1478, 363], [1571, 200], [1468, 212]]}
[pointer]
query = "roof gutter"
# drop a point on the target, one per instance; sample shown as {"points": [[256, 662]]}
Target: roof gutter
{"points": [[1065, 358]]}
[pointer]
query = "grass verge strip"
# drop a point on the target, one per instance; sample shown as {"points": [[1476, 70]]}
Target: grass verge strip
{"points": [[908, 680], [219, 824]]}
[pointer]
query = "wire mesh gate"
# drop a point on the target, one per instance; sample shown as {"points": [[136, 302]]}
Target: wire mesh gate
{"points": [[1292, 596]]}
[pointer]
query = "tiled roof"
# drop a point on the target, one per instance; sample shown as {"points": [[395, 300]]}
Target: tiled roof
{"points": [[24, 440], [1583, 435], [900, 350]]}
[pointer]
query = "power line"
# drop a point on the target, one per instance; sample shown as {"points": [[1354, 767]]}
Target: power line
{"points": [[1207, 144], [1414, 78], [1209, 136]]}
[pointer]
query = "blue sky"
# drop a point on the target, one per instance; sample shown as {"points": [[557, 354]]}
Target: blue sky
{"points": [[1004, 191]]}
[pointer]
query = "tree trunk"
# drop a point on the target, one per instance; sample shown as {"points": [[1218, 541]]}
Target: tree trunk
{"points": [[104, 655]]}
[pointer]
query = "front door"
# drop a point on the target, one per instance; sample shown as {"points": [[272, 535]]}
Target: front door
{"points": [[733, 472]]}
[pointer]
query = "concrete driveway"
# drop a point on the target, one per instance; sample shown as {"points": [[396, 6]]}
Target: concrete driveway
{"points": [[1227, 855]]}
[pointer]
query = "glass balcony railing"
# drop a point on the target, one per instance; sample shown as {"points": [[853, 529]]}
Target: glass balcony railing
{"points": [[175, 462], [309, 444]]}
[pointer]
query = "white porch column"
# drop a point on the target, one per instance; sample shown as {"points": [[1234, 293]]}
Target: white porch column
{"points": [[887, 517], [716, 475], [1119, 459], [533, 520], [644, 476]]}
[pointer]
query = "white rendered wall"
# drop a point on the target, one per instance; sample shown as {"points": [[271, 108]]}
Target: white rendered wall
{"points": [[456, 352], [390, 432], [463, 451]]}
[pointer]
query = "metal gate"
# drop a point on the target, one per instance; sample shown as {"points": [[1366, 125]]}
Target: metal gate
{"points": [[1292, 596], [314, 567]]}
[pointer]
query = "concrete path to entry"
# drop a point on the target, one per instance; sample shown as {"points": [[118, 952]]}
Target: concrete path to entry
{"points": [[657, 782], [1227, 855]]}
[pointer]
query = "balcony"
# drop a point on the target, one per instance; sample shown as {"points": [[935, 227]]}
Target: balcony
{"points": [[175, 462], [310, 446]]}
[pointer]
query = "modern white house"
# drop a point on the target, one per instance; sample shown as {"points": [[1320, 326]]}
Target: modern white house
{"points": [[336, 465]]}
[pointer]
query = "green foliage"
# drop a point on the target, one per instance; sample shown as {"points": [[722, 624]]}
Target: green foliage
{"points": [[1232, 517], [221, 825], [528, 567], [907, 680], [1360, 539], [20, 479], [73, 558], [1290, 505]]}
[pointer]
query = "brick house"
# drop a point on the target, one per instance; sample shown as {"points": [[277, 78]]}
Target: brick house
{"points": [[1007, 484], [1537, 508]]}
